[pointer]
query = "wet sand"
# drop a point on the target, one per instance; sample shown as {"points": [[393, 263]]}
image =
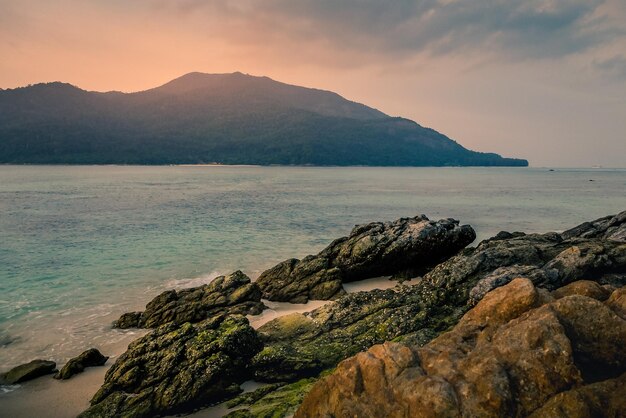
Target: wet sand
{"points": [[51, 398]]}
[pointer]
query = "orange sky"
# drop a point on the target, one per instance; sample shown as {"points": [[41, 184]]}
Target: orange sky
{"points": [[537, 79]]}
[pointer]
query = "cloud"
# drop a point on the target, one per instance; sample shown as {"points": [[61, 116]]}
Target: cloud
{"points": [[613, 67], [519, 28]]}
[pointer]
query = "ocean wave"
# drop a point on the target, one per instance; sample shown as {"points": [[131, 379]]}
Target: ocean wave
{"points": [[192, 282], [8, 388]]}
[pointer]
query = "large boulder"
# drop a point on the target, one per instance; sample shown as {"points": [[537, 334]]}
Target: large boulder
{"points": [[88, 358], [585, 288], [517, 352], [27, 371], [177, 368], [233, 294], [405, 246]]}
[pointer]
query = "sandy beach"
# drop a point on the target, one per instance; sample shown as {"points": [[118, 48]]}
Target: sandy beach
{"points": [[51, 398]]}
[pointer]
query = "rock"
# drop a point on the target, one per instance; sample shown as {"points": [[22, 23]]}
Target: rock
{"points": [[281, 402], [583, 288], [177, 368], [89, 358], [515, 353], [503, 275], [617, 302], [128, 320], [612, 228], [550, 260], [28, 371], [476, 264], [249, 398], [502, 305], [602, 399], [233, 294], [597, 335], [512, 327], [377, 249]]}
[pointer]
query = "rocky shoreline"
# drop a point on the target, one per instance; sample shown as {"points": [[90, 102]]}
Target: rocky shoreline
{"points": [[457, 306]]}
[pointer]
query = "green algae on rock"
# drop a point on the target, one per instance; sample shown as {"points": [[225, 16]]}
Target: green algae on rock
{"points": [[278, 403], [27, 371], [177, 368]]}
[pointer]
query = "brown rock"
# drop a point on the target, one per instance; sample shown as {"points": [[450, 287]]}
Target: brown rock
{"points": [[602, 399], [597, 334], [584, 288], [617, 302], [503, 304]]}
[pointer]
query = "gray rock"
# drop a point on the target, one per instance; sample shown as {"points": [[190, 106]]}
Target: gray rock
{"points": [[550, 260], [177, 368], [234, 294], [405, 246], [28, 371], [612, 228], [88, 358]]}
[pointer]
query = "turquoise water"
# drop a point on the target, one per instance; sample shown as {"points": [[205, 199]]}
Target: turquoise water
{"points": [[81, 245]]}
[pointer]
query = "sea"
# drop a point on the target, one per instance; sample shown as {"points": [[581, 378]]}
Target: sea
{"points": [[80, 245]]}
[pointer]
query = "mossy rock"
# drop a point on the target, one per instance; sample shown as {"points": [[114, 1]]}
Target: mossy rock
{"points": [[279, 403], [176, 369]]}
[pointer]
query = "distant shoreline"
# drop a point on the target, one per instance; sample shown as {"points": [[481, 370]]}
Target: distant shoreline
{"points": [[270, 165], [305, 166]]}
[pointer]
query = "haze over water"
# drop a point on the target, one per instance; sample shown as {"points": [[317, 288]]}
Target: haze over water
{"points": [[81, 245]]}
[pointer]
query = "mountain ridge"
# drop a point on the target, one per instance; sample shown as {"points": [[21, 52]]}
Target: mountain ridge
{"points": [[230, 118]]}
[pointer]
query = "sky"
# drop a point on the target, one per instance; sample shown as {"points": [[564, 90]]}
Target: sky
{"points": [[538, 79]]}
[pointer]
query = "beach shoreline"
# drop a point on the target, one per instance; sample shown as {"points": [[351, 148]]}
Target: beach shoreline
{"points": [[53, 398]]}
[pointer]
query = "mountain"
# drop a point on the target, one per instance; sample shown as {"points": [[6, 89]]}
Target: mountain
{"points": [[216, 118]]}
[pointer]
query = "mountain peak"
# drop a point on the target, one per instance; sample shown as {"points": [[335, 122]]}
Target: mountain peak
{"points": [[198, 80], [263, 91]]}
